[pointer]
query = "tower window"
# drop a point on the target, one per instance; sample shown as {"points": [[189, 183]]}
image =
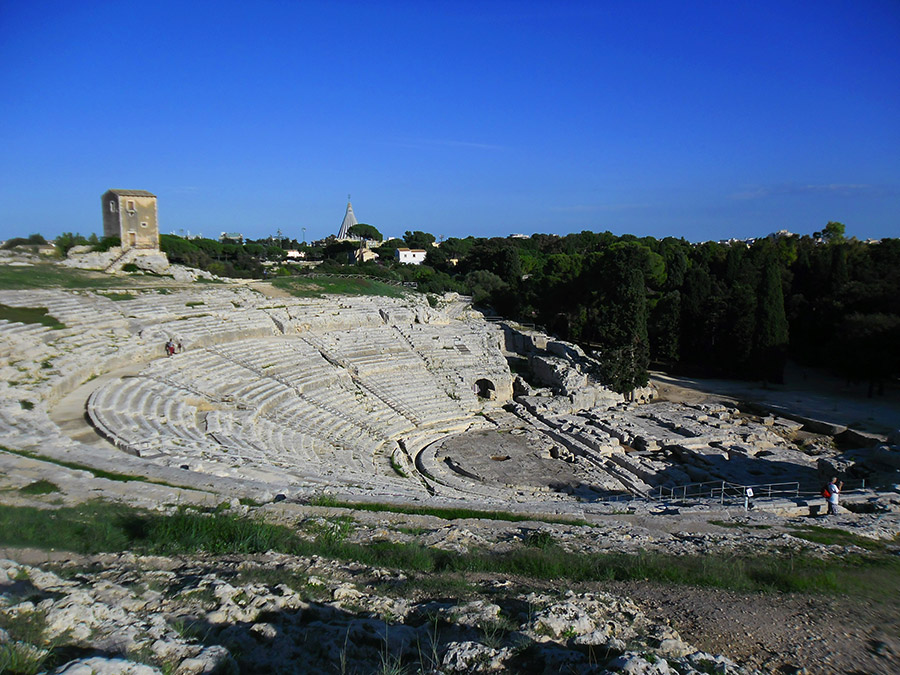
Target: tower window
{"points": [[112, 206], [130, 206]]}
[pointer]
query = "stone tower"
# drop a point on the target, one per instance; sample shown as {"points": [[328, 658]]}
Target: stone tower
{"points": [[131, 216]]}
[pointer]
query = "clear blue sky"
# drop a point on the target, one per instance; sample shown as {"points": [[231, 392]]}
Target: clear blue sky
{"points": [[705, 120]]}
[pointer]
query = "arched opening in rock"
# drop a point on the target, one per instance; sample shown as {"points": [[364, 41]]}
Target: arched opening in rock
{"points": [[485, 389]]}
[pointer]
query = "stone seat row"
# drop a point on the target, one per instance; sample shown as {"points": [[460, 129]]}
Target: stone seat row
{"points": [[137, 422], [296, 365], [72, 310], [211, 329], [323, 385], [209, 374]]}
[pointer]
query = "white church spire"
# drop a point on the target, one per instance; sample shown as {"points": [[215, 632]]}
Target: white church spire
{"points": [[349, 221]]}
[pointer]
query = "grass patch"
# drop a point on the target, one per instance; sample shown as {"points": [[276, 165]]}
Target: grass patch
{"points": [[198, 303], [99, 473], [28, 651], [39, 487], [395, 465], [26, 405], [36, 315], [414, 531], [320, 286], [830, 536], [98, 526], [441, 512], [117, 297], [49, 275]]}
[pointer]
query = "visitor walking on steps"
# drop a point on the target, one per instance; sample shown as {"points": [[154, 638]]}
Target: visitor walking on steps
{"points": [[831, 494]]}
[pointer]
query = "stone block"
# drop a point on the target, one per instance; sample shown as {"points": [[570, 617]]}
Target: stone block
{"points": [[557, 373]]}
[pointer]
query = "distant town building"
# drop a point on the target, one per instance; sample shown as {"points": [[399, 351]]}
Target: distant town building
{"points": [[362, 255], [232, 236], [295, 254], [131, 215], [411, 256]]}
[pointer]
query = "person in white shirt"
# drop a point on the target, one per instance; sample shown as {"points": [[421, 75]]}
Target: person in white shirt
{"points": [[834, 489]]}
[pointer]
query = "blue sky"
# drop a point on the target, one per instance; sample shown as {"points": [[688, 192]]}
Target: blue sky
{"points": [[705, 120]]}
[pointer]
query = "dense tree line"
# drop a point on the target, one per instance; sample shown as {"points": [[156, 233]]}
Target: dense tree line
{"points": [[729, 309], [725, 309], [227, 258]]}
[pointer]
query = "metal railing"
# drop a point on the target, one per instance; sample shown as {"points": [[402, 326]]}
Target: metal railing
{"points": [[724, 492]]}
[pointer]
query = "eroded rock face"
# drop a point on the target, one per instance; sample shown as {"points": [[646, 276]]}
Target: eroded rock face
{"points": [[205, 616]]}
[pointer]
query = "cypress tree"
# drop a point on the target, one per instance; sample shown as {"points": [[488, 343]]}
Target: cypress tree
{"points": [[771, 324]]}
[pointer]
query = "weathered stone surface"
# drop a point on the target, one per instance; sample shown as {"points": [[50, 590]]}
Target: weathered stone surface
{"points": [[214, 660], [97, 665], [191, 628], [466, 657], [557, 373]]}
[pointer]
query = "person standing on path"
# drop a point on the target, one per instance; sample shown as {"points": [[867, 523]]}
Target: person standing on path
{"points": [[834, 489]]}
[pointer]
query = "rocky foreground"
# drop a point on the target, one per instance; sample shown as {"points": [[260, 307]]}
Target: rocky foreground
{"points": [[122, 613], [280, 614]]}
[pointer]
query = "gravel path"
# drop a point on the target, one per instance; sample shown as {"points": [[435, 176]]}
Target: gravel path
{"points": [[779, 632]]}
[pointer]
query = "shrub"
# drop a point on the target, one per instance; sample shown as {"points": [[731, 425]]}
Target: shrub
{"points": [[107, 243]]}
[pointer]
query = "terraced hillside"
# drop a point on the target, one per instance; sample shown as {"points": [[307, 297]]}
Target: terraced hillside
{"points": [[370, 397], [289, 392]]}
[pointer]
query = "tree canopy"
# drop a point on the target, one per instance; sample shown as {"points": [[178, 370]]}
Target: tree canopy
{"points": [[366, 231], [418, 239]]}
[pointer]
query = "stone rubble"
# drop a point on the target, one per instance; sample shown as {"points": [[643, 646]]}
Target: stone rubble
{"points": [[135, 615]]}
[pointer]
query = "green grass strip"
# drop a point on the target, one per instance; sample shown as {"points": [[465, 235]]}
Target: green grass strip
{"points": [[830, 536], [316, 287], [36, 315], [98, 527], [98, 473], [51, 275], [447, 513]]}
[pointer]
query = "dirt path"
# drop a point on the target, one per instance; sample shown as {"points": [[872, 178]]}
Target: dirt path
{"points": [[807, 392], [779, 632], [268, 290], [69, 412]]}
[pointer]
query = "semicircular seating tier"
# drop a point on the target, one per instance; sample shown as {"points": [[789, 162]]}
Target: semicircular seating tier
{"points": [[298, 390], [376, 396]]}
